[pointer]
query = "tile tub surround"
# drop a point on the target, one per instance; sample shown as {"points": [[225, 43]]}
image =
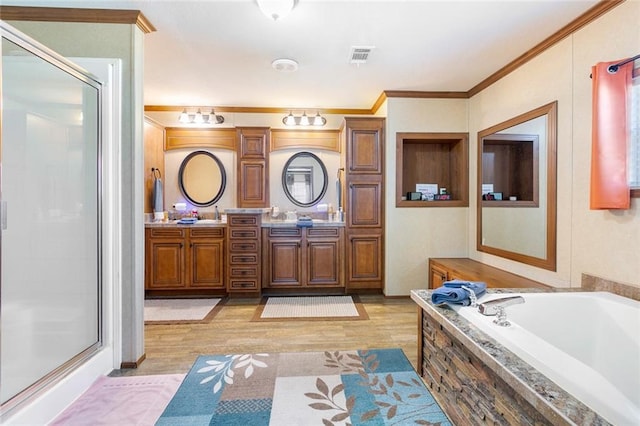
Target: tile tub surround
{"points": [[477, 380], [592, 283]]}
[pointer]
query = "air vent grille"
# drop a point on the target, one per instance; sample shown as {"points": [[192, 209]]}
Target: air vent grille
{"points": [[360, 54]]}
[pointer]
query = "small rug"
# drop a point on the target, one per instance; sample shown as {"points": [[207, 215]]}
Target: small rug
{"points": [[180, 311], [134, 400], [310, 308], [376, 387]]}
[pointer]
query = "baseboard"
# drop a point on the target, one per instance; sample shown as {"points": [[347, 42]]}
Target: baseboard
{"points": [[136, 364]]}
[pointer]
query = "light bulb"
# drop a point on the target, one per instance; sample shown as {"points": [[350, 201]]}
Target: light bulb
{"points": [[184, 117], [289, 120], [304, 120], [198, 118], [318, 120]]}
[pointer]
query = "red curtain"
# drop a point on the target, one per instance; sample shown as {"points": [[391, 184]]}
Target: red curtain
{"points": [[609, 181]]}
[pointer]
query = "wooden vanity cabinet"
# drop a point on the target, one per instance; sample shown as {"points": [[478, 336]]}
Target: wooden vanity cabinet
{"points": [[453, 268], [181, 258], [303, 257]]}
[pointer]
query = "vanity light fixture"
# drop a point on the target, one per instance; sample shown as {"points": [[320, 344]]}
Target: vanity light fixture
{"points": [[199, 118], [304, 120], [276, 9]]}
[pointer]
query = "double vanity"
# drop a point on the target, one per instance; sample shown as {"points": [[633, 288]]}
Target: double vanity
{"points": [[247, 254]]}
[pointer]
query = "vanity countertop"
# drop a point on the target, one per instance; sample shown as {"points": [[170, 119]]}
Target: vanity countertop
{"points": [[201, 223]]}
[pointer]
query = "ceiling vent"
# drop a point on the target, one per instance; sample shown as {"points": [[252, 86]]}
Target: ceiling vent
{"points": [[360, 54]]}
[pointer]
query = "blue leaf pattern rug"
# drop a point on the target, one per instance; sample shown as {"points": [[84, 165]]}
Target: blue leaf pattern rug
{"points": [[364, 387]]}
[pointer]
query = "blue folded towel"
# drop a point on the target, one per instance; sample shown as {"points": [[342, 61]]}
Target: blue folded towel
{"points": [[188, 220], [452, 292], [304, 222]]}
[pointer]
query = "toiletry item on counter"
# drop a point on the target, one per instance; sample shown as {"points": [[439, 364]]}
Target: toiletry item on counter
{"points": [[340, 217], [275, 212], [188, 220], [216, 213], [330, 214], [304, 222]]}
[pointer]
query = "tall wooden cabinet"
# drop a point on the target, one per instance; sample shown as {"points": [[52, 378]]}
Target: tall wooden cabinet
{"points": [[364, 188], [253, 166]]}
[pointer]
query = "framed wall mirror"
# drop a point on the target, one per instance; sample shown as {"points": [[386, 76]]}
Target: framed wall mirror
{"points": [[202, 178], [517, 188], [304, 179]]}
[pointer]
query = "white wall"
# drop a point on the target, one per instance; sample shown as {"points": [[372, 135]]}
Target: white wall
{"points": [[414, 234], [602, 243]]}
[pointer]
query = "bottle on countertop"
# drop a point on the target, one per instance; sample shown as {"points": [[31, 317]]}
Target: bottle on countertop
{"points": [[340, 215], [216, 213]]}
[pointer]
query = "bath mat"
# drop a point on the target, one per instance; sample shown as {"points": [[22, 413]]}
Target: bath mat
{"points": [[134, 400], [377, 387], [310, 308], [180, 311]]}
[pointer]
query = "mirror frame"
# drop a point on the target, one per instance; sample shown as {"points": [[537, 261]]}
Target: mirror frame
{"points": [[317, 199], [549, 261], [223, 183]]}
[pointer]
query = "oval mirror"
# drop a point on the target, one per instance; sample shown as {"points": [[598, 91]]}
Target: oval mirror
{"points": [[202, 178], [304, 179]]}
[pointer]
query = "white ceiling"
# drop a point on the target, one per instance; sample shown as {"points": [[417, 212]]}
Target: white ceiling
{"points": [[219, 53]]}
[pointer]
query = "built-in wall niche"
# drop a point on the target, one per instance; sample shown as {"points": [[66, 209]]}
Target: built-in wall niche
{"points": [[440, 159], [510, 169]]}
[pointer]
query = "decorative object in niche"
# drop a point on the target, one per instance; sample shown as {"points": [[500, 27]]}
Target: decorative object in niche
{"points": [[304, 179], [202, 178], [517, 188]]}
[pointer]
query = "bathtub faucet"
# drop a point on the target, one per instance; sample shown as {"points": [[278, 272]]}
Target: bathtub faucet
{"points": [[497, 307]]}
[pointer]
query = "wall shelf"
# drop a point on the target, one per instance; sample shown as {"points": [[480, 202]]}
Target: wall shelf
{"points": [[440, 158]]}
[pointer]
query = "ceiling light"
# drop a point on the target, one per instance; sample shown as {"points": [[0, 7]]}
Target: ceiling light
{"points": [[275, 9], [303, 120], [199, 118], [284, 65]]}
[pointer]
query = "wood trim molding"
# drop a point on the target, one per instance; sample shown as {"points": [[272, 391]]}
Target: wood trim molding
{"points": [[178, 137], [133, 364], [305, 139], [59, 14], [256, 110], [425, 95], [590, 15]]}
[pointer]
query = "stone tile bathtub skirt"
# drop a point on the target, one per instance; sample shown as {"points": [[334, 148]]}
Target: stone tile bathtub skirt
{"points": [[372, 387], [310, 308]]}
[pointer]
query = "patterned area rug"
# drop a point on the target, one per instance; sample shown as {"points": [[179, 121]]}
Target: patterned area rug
{"points": [[137, 400], [185, 311], [310, 308], [373, 387]]}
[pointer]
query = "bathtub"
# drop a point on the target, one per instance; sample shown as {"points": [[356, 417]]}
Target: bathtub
{"points": [[587, 343]]}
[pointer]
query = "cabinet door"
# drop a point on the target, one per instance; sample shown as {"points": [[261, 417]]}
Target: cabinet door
{"points": [[207, 263], [253, 184], [438, 276], [166, 264], [323, 263], [365, 261], [365, 146], [285, 263], [365, 203], [253, 143]]}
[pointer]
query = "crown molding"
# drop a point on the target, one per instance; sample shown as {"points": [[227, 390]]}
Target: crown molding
{"points": [[257, 110], [60, 14]]}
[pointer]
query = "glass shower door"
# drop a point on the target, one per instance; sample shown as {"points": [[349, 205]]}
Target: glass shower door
{"points": [[50, 257]]}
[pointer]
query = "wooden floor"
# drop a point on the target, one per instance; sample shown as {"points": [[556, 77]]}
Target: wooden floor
{"points": [[173, 348]]}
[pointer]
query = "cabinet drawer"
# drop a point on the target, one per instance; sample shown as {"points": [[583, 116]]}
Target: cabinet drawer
{"points": [[323, 232], [206, 232], [243, 246], [285, 232], [250, 284], [243, 258], [243, 220], [251, 233], [167, 232], [243, 271]]}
